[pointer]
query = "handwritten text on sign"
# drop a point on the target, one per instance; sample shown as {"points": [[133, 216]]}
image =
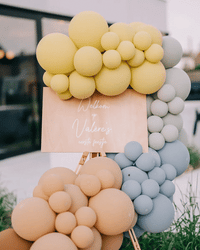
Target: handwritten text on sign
{"points": [[95, 124]]}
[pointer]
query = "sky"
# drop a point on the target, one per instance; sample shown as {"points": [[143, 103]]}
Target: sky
{"points": [[183, 23]]}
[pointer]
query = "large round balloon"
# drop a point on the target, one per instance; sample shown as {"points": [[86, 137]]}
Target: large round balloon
{"points": [[176, 154], [160, 217]]}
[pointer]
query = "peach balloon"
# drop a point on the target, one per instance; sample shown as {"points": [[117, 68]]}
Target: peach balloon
{"points": [[51, 184], [9, 240], [97, 244], [67, 175], [65, 222], [86, 216], [79, 199], [54, 241], [33, 218], [82, 236], [60, 201], [38, 192], [90, 185], [98, 163], [106, 178], [113, 242]]}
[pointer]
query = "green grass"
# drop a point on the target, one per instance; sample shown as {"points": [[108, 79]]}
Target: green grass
{"points": [[7, 203], [194, 157], [184, 233]]}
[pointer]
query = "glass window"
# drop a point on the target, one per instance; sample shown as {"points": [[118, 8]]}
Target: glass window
{"points": [[54, 25], [18, 84]]}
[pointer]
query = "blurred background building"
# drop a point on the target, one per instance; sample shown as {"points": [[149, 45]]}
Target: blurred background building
{"points": [[22, 25]]}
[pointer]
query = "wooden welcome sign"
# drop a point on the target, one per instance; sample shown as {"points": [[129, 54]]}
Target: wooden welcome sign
{"points": [[96, 124]]}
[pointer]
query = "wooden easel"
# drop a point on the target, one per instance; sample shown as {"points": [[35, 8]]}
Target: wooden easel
{"points": [[78, 168]]}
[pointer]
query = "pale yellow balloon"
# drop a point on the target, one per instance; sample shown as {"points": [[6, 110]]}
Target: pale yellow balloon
{"points": [[55, 53], [47, 78], [59, 83], [88, 61], [111, 59], [142, 40], [65, 95], [113, 82], [126, 49], [136, 26], [81, 87], [148, 78], [154, 53], [110, 41], [87, 28], [123, 30], [155, 34], [138, 58]]}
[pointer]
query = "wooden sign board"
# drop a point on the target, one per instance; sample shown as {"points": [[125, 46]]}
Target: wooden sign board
{"points": [[96, 124]]}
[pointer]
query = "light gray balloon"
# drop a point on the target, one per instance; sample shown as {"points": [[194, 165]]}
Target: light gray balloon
{"points": [[111, 155], [154, 123], [158, 175], [143, 204], [156, 141], [167, 188], [176, 154], [170, 133], [149, 101], [159, 108], [122, 160], [134, 173], [133, 150], [132, 188], [183, 137], [150, 188], [161, 216], [180, 80], [171, 198], [175, 120], [145, 162], [176, 106], [172, 52], [166, 93], [170, 171], [156, 156]]}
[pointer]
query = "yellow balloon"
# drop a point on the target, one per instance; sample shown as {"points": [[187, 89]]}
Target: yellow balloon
{"points": [[126, 49], [110, 41], [123, 30], [59, 83], [113, 82], [65, 95], [136, 26], [111, 59], [47, 78], [138, 58], [88, 61], [148, 78], [155, 34], [87, 28], [142, 40], [154, 53], [55, 53], [81, 87]]}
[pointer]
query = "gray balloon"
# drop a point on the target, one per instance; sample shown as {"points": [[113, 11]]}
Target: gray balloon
{"points": [[150, 188], [161, 216], [172, 52], [170, 171], [175, 120], [132, 188], [158, 175], [180, 80], [143, 204], [134, 173], [111, 155], [122, 160], [167, 188], [145, 162], [176, 154], [156, 156], [137, 230], [133, 150]]}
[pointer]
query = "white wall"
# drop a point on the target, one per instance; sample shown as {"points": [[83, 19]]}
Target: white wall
{"points": [[148, 11]]}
